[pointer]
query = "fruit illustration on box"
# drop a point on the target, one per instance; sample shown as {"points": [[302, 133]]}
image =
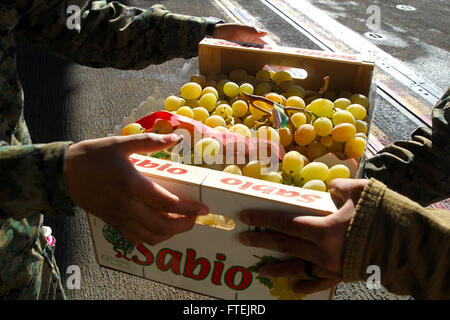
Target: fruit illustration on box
{"points": [[279, 287], [320, 134], [121, 246]]}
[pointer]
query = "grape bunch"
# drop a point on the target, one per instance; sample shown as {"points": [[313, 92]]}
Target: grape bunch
{"points": [[319, 122]]}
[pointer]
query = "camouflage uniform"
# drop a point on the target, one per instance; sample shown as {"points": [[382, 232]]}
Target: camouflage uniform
{"points": [[408, 242], [32, 175]]}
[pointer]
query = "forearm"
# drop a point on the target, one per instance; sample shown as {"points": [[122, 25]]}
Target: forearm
{"points": [[33, 180], [410, 244], [114, 35]]}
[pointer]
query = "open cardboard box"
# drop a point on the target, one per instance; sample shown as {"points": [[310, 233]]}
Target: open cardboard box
{"points": [[209, 260]]}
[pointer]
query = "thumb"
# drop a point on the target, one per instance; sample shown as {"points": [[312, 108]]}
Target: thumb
{"points": [[147, 142], [342, 190]]}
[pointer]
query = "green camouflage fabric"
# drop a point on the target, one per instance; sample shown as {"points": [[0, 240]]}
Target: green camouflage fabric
{"points": [[419, 168], [32, 175]]}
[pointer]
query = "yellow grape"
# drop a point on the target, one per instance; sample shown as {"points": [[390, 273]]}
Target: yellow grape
{"points": [[304, 135], [237, 75], [343, 116], [192, 103], [263, 75], [220, 86], [254, 169], [234, 169], [200, 79], [258, 113], [342, 103], [272, 177], [186, 111], [286, 136], [132, 128], [295, 90], [274, 97], [315, 150], [240, 108], [338, 171], [268, 133], [231, 89], [208, 101], [314, 170], [343, 132], [221, 128], [323, 126], [224, 110], [247, 88], [250, 121], [354, 148], [173, 103], [191, 90], [357, 110], [200, 114], [215, 121], [207, 149], [292, 163], [315, 184], [298, 119], [295, 101], [240, 129], [360, 99], [362, 126], [321, 107], [281, 76], [327, 141], [210, 90], [361, 135]]}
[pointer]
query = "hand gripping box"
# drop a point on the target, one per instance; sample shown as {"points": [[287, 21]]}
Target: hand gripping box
{"points": [[208, 260]]}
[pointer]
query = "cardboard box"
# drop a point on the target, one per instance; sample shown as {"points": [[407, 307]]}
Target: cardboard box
{"points": [[208, 260]]}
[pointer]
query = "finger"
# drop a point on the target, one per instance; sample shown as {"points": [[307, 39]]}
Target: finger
{"points": [[294, 269], [311, 286], [153, 195], [344, 189], [303, 227], [136, 233], [146, 142], [279, 242]]}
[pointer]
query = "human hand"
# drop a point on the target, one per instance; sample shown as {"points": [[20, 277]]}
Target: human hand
{"points": [[101, 180], [311, 239], [239, 32]]}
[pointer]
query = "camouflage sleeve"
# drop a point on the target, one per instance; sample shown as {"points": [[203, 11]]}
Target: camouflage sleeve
{"points": [[418, 168], [35, 180], [111, 34]]}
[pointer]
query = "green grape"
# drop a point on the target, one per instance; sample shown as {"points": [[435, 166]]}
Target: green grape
{"points": [[272, 177], [254, 169], [357, 110], [343, 116], [263, 75], [360, 99], [298, 119], [208, 101], [241, 129], [240, 108], [338, 171], [234, 169], [295, 90], [200, 114], [281, 76], [321, 107], [173, 103], [361, 135], [285, 85], [215, 121], [315, 150], [221, 128], [362, 126], [343, 132], [304, 135], [342, 103], [207, 149], [210, 90], [250, 121], [354, 148], [237, 75], [200, 79], [263, 88], [323, 126], [345, 94], [191, 90], [286, 136], [231, 89], [315, 184], [292, 163], [330, 95], [247, 88], [268, 133], [258, 113], [224, 110], [313, 171], [192, 103], [326, 141], [186, 111], [132, 128], [295, 101]]}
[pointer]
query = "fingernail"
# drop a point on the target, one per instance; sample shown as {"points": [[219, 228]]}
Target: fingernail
{"points": [[203, 211], [244, 218], [244, 239]]}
